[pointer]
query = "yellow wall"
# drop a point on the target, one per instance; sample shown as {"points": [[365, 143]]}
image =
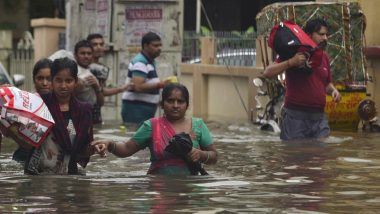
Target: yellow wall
{"points": [[213, 95], [223, 98], [187, 80], [371, 11], [46, 36]]}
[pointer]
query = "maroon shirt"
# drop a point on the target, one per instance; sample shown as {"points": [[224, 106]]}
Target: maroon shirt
{"points": [[307, 92]]}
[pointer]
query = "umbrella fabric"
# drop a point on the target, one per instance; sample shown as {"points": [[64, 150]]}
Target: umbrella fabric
{"points": [[180, 145]]}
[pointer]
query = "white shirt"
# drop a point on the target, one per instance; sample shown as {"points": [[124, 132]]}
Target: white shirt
{"points": [[87, 94]]}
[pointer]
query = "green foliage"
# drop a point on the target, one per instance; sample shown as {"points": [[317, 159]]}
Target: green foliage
{"points": [[10, 6], [205, 31], [238, 40], [250, 30], [8, 25], [245, 34]]}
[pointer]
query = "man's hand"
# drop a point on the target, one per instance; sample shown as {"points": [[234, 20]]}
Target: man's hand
{"points": [[335, 96], [92, 81], [331, 90], [124, 87], [167, 82], [130, 86], [297, 60]]}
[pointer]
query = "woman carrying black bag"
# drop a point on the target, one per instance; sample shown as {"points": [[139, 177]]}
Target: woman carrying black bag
{"points": [[156, 134]]}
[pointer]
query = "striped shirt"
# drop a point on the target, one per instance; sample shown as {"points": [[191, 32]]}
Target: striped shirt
{"points": [[142, 66]]}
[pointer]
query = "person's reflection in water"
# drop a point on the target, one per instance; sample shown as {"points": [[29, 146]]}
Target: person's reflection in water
{"points": [[50, 194], [174, 193], [162, 201]]}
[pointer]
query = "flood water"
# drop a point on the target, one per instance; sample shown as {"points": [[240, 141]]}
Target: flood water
{"points": [[256, 173]]}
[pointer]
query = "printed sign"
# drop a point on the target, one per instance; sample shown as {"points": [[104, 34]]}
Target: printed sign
{"points": [[140, 20], [343, 116], [102, 17]]}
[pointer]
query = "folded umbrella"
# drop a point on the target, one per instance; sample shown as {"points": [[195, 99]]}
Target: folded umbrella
{"points": [[181, 145]]}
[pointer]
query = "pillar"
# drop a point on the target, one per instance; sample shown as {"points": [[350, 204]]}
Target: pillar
{"points": [[46, 36]]}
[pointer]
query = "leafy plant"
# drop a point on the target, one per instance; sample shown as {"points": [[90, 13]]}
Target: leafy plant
{"points": [[205, 31]]}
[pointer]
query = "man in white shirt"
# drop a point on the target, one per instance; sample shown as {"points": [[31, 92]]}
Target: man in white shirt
{"points": [[88, 88], [100, 70]]}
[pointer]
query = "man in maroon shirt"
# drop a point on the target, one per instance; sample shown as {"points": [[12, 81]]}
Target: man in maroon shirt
{"points": [[303, 114]]}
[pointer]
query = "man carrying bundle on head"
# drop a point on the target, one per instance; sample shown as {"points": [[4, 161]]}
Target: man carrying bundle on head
{"points": [[308, 79]]}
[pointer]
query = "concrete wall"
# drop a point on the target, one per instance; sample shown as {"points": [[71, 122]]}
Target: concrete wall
{"points": [[46, 34], [213, 94], [218, 92], [5, 43]]}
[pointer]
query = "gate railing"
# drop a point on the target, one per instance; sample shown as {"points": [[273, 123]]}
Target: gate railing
{"points": [[21, 62], [232, 48]]}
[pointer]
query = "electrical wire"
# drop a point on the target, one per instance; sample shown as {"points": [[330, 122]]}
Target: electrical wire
{"points": [[224, 61]]}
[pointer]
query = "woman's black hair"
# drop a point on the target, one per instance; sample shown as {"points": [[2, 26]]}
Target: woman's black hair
{"points": [[64, 63], [168, 89], [41, 64]]}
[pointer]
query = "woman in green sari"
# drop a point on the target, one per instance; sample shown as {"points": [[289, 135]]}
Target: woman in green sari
{"points": [[156, 133]]}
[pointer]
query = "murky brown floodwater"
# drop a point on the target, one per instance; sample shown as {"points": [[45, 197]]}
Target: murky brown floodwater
{"points": [[256, 173]]}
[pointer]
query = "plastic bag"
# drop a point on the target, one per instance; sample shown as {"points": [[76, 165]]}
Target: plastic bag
{"points": [[27, 112]]}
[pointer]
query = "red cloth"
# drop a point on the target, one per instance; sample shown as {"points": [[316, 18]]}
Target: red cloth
{"points": [[162, 132], [308, 91]]}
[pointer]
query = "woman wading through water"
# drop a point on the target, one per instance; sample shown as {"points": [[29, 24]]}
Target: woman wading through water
{"points": [[156, 134]]}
